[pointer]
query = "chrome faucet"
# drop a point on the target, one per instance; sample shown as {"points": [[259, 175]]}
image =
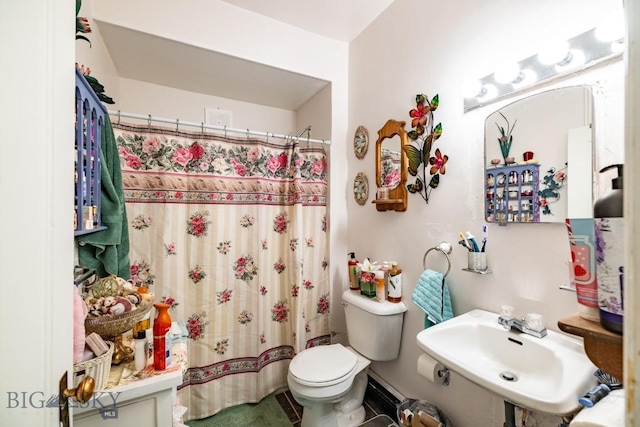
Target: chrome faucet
{"points": [[523, 326]]}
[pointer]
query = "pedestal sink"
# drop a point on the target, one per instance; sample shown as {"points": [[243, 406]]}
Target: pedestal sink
{"points": [[541, 374]]}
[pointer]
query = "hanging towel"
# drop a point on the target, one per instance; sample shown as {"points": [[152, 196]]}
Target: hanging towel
{"points": [[431, 294], [107, 251]]}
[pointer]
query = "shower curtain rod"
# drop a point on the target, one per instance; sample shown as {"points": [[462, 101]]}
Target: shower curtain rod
{"points": [[203, 126]]}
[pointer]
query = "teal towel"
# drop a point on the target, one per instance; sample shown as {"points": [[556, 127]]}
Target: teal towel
{"points": [[431, 294], [107, 251]]}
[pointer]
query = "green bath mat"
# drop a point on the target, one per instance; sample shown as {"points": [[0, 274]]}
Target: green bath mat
{"points": [[266, 413]]}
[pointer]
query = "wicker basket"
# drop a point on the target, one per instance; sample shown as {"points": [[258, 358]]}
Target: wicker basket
{"points": [[98, 368], [111, 325]]}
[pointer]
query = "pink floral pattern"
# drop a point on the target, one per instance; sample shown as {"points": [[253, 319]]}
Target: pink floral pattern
{"points": [[280, 223], [170, 249], [245, 268], [279, 266], [293, 244], [224, 296], [140, 222], [323, 304], [245, 317], [141, 274], [280, 311], [224, 247], [294, 290], [247, 221], [222, 346], [196, 274], [196, 325], [170, 301], [198, 224]]}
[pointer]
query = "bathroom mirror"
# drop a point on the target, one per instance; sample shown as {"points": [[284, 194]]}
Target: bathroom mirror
{"points": [[539, 158], [391, 167]]}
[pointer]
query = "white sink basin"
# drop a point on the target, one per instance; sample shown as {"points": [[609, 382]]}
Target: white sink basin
{"points": [[541, 374]]}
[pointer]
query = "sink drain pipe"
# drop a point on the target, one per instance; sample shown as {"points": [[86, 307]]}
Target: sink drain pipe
{"points": [[509, 414]]}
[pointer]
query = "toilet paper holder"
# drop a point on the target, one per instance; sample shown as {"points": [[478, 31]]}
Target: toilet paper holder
{"points": [[444, 376]]}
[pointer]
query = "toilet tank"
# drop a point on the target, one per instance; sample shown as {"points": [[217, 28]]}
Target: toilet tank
{"points": [[374, 328]]}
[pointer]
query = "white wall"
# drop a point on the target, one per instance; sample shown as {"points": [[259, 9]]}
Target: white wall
{"points": [[432, 47]]}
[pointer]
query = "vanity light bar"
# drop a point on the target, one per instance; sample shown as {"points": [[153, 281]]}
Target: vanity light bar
{"points": [[584, 50]]}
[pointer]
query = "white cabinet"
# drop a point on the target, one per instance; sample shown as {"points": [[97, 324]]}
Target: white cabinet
{"points": [[147, 402]]}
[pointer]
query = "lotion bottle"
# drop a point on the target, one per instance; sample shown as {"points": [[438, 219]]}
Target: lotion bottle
{"points": [[353, 274], [395, 283], [609, 226], [140, 350]]}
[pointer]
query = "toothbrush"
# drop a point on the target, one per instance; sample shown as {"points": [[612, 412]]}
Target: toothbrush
{"points": [[466, 242], [472, 239], [485, 230]]}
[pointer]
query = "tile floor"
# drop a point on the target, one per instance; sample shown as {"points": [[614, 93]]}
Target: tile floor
{"points": [[377, 402]]}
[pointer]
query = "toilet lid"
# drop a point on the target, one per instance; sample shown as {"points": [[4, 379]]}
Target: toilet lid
{"points": [[323, 363]]}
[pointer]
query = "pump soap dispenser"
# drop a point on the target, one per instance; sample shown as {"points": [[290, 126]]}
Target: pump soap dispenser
{"points": [[609, 229]]}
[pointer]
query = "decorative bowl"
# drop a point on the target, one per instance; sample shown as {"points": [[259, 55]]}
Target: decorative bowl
{"points": [[495, 162], [112, 325]]}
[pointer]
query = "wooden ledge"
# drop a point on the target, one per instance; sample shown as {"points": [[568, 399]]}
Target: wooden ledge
{"points": [[603, 347]]}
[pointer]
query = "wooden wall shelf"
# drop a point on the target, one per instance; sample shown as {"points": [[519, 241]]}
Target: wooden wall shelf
{"points": [[603, 347]]}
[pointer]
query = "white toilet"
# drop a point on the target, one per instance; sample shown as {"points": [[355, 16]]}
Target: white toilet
{"points": [[329, 381]]}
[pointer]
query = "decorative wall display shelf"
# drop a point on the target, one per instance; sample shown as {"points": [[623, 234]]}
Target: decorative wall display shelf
{"points": [[90, 116], [511, 193]]}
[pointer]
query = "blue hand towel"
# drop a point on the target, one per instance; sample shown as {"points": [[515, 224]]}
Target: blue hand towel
{"points": [[431, 294]]}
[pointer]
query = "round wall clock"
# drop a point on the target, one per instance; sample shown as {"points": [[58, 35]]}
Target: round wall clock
{"points": [[361, 188], [361, 142]]}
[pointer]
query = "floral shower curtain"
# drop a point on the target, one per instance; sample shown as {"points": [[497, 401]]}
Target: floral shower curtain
{"points": [[232, 233]]}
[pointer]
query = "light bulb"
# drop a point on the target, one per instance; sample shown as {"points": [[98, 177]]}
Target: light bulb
{"points": [[574, 59], [507, 72], [488, 92], [612, 27], [553, 52], [526, 78]]}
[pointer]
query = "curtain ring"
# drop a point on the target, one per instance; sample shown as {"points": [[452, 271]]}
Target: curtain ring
{"points": [[177, 124], [118, 116], [149, 121], [202, 128], [247, 134], [225, 131]]}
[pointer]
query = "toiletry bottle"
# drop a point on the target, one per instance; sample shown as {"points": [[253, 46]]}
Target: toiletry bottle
{"points": [[380, 291], [140, 350], [353, 274], [395, 283], [583, 266], [161, 346], [609, 226]]}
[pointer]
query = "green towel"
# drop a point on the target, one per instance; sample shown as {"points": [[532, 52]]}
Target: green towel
{"points": [[431, 294], [107, 251]]}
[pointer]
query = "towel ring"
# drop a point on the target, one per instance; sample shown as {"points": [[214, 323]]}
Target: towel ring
{"points": [[443, 247]]}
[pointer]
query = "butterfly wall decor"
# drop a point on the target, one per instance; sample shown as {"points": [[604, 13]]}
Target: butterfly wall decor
{"points": [[419, 157]]}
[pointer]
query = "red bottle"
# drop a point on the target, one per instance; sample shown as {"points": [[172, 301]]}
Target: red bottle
{"points": [[161, 326]]}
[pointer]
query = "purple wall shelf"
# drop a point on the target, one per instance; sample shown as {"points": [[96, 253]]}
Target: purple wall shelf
{"points": [[90, 118]]}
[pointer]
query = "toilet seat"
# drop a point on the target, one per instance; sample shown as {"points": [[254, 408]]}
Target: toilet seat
{"points": [[323, 366]]}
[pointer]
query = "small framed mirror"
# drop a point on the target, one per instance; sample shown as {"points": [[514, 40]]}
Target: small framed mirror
{"points": [[361, 142], [391, 167], [539, 158]]}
